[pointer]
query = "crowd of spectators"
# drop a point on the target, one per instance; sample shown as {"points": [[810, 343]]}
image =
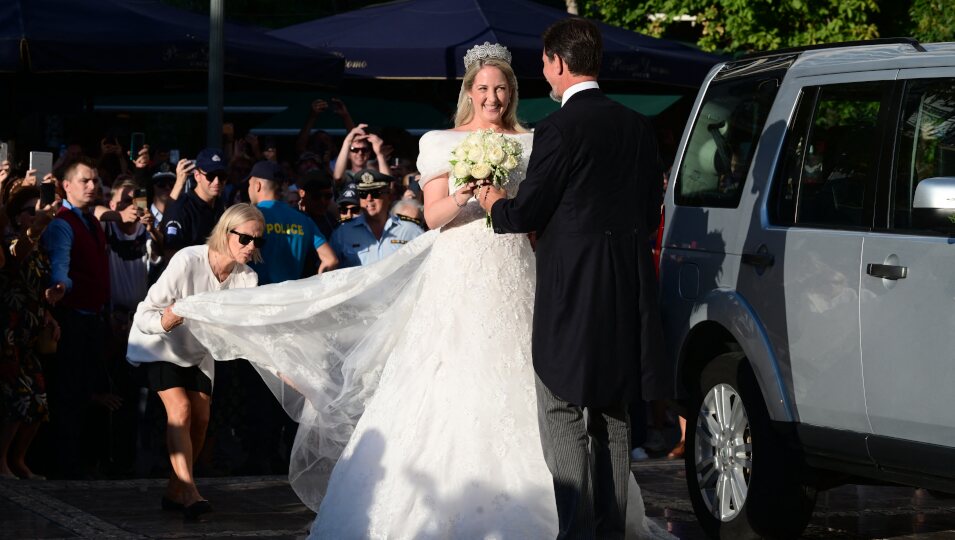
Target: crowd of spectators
{"points": [[82, 246]]}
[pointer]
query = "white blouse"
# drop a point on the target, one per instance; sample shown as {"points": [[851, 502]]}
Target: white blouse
{"points": [[189, 272]]}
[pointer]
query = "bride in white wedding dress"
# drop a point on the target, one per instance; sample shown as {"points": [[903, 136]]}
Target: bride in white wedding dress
{"points": [[412, 378]]}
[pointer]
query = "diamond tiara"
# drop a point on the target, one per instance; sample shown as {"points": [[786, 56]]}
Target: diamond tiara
{"points": [[488, 50]]}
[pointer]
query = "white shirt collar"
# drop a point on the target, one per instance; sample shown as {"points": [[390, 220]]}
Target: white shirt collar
{"points": [[586, 85]]}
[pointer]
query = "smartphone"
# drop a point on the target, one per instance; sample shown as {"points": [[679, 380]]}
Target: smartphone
{"points": [[174, 156], [136, 142], [140, 200], [43, 163], [4, 152], [47, 193]]}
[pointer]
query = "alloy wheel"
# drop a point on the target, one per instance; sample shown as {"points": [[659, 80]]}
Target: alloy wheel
{"points": [[724, 452]]}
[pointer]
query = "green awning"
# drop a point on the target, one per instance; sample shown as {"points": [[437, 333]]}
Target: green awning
{"points": [[534, 110]]}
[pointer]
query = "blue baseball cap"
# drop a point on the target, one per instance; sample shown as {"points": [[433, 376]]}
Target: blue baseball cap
{"points": [[211, 160], [268, 170], [349, 195]]}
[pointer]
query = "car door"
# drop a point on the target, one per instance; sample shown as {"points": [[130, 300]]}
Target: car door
{"points": [[907, 306], [820, 211]]}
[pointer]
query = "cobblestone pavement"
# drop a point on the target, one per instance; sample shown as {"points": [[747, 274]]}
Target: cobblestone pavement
{"points": [[265, 507]]}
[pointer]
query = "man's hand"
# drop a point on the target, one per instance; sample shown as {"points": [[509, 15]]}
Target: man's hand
{"points": [[376, 143], [55, 293], [141, 161], [488, 195], [338, 107], [29, 179], [130, 214], [4, 172], [183, 169], [110, 402], [319, 106], [357, 134]]}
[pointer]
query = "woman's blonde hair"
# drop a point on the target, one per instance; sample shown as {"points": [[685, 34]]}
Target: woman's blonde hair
{"points": [[465, 112], [236, 215]]}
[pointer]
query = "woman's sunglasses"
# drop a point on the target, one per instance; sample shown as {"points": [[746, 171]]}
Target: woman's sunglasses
{"points": [[360, 149], [31, 210], [244, 239]]}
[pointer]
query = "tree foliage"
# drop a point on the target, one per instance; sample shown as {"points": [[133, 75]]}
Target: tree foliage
{"points": [[746, 25], [933, 20]]}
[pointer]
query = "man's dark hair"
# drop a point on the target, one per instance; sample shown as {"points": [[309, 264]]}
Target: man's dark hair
{"points": [[71, 167], [578, 42], [316, 181]]}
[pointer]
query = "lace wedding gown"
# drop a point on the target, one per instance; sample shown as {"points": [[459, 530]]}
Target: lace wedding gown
{"points": [[412, 382]]}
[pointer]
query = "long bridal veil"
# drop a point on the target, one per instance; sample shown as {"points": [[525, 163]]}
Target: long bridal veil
{"points": [[320, 344]]}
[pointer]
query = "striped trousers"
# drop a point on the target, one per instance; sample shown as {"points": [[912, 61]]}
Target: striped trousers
{"points": [[588, 453]]}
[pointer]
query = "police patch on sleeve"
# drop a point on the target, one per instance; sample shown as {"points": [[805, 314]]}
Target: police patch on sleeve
{"points": [[172, 228]]}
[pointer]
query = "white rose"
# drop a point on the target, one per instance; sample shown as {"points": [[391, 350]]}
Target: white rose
{"points": [[510, 163], [496, 154], [474, 139], [481, 171], [461, 170], [476, 153], [461, 152]]}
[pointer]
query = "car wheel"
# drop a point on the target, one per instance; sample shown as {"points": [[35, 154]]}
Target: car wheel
{"points": [[744, 481]]}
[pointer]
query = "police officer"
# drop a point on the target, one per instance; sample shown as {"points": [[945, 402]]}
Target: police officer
{"points": [[189, 220], [349, 207], [290, 235], [374, 235]]}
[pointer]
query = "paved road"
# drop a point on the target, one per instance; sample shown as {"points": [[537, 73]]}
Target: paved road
{"points": [[265, 507]]}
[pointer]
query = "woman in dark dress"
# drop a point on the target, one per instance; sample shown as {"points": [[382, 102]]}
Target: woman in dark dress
{"points": [[25, 321]]}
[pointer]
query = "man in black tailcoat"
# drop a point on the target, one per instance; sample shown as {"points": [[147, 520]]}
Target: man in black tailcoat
{"points": [[592, 194]]}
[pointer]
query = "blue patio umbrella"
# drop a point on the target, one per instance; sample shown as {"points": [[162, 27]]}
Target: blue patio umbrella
{"points": [[421, 39], [145, 36]]}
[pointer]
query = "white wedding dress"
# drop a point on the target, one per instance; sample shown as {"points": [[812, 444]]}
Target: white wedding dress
{"points": [[419, 416]]}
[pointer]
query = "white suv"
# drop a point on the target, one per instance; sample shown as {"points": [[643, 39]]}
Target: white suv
{"points": [[807, 279]]}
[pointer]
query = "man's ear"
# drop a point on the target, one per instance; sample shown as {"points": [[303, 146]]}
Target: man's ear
{"points": [[561, 67]]}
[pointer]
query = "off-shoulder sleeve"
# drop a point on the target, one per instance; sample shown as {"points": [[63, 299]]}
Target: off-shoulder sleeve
{"points": [[434, 154]]}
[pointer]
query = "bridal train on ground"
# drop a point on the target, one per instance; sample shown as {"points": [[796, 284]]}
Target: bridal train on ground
{"points": [[412, 382]]}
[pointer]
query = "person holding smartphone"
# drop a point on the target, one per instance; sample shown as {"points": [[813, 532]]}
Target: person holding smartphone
{"points": [[79, 273], [27, 322]]}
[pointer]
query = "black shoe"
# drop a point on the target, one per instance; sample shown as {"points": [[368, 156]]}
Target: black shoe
{"points": [[169, 504], [196, 509]]}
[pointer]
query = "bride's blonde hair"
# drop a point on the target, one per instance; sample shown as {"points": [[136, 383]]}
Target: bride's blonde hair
{"points": [[465, 111]]}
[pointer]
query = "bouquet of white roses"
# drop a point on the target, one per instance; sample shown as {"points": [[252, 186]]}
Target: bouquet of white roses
{"points": [[485, 157]]}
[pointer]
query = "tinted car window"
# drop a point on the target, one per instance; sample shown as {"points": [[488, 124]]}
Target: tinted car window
{"points": [[926, 143], [720, 148], [828, 175]]}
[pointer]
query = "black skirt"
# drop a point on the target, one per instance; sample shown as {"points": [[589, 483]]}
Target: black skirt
{"points": [[166, 375]]}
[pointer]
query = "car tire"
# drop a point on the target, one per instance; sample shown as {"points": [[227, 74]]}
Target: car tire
{"points": [[744, 480]]}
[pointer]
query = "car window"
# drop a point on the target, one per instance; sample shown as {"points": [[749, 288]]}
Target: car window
{"points": [[828, 173], [720, 149], [926, 144]]}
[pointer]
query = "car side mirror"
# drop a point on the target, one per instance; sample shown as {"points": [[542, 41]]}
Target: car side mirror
{"points": [[934, 204]]}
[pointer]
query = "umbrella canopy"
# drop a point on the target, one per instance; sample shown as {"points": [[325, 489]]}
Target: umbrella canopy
{"points": [[145, 36], [428, 38]]}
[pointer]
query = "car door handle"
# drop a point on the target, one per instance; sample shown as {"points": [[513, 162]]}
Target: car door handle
{"points": [[759, 260], [887, 271]]}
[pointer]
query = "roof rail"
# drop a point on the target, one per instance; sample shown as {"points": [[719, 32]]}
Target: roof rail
{"points": [[881, 41]]}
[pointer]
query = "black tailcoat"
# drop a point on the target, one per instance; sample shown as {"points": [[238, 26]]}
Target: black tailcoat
{"points": [[592, 193]]}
